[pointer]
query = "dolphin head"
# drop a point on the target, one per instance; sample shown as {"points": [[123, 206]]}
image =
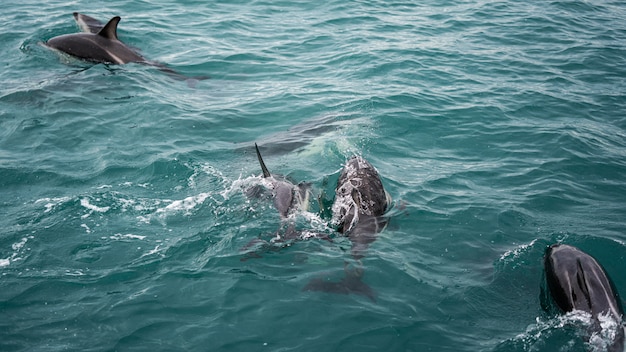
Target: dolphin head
{"points": [[359, 196], [576, 281]]}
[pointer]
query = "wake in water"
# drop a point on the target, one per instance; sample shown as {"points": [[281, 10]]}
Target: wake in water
{"points": [[577, 330]]}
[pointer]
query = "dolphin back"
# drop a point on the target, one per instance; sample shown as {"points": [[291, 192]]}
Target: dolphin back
{"points": [[88, 24], [576, 281], [359, 196], [103, 46], [287, 196]]}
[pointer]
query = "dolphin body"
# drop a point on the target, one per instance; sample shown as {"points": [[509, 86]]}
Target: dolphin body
{"points": [[358, 212], [96, 44], [287, 196], [576, 281], [99, 43]]}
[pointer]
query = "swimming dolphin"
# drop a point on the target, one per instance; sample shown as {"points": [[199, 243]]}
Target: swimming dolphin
{"points": [[99, 43], [102, 46], [360, 202], [87, 23], [287, 196], [358, 212], [576, 281]]}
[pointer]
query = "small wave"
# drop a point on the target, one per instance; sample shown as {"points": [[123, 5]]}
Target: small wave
{"points": [[85, 203], [51, 203], [185, 205], [17, 248], [119, 236], [582, 322], [513, 254]]}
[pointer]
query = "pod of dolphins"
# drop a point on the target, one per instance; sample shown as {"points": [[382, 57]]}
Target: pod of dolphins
{"points": [[574, 280]]}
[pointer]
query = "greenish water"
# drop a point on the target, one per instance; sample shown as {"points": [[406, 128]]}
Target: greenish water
{"points": [[498, 128]]}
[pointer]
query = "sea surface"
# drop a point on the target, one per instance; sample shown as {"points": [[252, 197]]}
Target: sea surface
{"points": [[498, 127]]}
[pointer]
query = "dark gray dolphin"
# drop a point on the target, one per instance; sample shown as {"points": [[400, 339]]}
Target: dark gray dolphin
{"points": [[576, 281], [358, 212], [87, 23], [100, 44], [360, 203], [287, 196]]}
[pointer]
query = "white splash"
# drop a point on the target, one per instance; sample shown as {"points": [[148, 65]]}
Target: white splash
{"points": [[52, 202], [186, 204], [241, 184], [609, 329], [515, 253], [119, 236], [85, 203], [17, 246], [155, 250]]}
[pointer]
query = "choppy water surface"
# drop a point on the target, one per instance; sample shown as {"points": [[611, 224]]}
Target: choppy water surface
{"points": [[498, 128]]}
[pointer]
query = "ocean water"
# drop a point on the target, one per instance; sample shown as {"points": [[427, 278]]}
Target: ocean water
{"points": [[499, 127]]}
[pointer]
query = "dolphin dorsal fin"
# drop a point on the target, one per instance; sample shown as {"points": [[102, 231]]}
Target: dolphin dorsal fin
{"points": [[266, 172], [109, 31]]}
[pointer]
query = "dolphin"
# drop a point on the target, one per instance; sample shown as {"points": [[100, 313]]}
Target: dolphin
{"points": [[287, 196], [88, 24], [358, 212], [360, 203], [576, 281], [100, 44]]}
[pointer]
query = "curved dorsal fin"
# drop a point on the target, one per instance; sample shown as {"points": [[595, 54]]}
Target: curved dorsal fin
{"points": [[109, 31], [266, 172]]}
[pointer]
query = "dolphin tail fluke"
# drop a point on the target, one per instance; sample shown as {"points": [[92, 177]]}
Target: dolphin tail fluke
{"points": [[350, 284], [266, 172]]}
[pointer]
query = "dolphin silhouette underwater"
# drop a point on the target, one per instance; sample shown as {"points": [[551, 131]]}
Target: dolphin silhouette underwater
{"points": [[358, 212], [576, 281], [100, 44]]}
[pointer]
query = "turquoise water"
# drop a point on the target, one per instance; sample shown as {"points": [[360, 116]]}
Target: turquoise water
{"points": [[498, 128]]}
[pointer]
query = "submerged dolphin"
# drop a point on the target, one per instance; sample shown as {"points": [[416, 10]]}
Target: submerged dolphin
{"points": [[358, 212], [576, 281], [287, 196], [99, 43]]}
